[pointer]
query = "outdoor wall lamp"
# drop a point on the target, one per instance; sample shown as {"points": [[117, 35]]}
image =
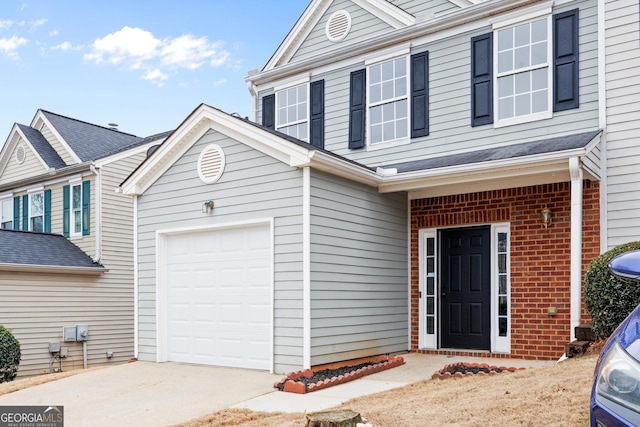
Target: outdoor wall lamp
{"points": [[207, 207], [546, 217]]}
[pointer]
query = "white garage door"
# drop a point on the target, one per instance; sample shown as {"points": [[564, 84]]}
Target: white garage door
{"points": [[219, 297]]}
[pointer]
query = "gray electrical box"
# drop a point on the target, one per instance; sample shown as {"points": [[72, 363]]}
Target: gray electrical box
{"points": [[54, 347], [82, 332], [69, 333]]}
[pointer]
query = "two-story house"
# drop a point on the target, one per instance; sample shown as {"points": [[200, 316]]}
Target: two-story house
{"points": [[416, 175], [66, 241]]}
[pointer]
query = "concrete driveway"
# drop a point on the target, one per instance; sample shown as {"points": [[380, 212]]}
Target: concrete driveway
{"points": [[151, 394], [145, 393]]}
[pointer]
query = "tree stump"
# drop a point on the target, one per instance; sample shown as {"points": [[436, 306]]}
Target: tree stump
{"points": [[344, 418]]}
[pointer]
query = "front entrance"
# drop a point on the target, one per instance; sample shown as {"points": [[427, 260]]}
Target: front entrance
{"points": [[465, 288]]}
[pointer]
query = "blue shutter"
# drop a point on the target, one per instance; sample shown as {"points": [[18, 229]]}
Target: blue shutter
{"points": [[65, 210], [25, 212], [86, 212], [482, 79], [565, 61], [269, 111], [357, 108], [420, 95], [47, 211], [16, 213], [317, 114]]}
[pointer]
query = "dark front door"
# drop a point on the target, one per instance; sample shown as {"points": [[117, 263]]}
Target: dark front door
{"points": [[465, 273]]}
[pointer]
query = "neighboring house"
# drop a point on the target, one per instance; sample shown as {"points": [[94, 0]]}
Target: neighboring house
{"points": [[66, 240], [391, 196]]}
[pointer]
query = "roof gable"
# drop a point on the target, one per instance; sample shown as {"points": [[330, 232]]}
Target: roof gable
{"points": [[317, 9]]}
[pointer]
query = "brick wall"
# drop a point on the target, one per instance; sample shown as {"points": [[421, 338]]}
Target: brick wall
{"points": [[540, 257]]}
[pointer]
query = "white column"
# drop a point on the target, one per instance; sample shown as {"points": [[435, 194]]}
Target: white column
{"points": [[575, 171], [306, 267]]}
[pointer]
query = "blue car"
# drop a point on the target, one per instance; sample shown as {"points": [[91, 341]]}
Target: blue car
{"points": [[615, 396]]}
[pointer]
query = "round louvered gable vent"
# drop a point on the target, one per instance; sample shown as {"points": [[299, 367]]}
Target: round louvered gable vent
{"points": [[338, 25], [211, 164], [21, 154]]}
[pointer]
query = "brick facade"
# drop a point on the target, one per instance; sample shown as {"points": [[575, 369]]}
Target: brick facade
{"points": [[540, 257]]}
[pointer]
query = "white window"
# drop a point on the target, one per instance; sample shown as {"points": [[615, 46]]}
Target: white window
{"points": [[388, 101], [428, 290], [523, 77], [501, 292], [292, 112], [76, 210], [36, 212], [7, 214]]}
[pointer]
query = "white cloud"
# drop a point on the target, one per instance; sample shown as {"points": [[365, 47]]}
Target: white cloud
{"points": [[53, 33], [66, 46], [10, 45], [138, 49], [38, 23], [6, 24]]}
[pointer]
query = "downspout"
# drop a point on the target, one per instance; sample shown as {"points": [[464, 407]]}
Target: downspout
{"points": [[575, 171], [97, 218], [602, 115], [306, 267], [136, 314], [254, 101]]}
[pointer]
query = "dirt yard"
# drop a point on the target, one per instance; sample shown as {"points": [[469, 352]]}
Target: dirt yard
{"points": [[555, 395]]}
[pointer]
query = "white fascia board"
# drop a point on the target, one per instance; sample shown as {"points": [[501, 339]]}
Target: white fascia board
{"points": [[127, 153], [342, 168], [53, 269], [471, 173], [40, 116], [386, 11], [203, 119]]}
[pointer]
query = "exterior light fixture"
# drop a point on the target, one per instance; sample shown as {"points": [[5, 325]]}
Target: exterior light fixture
{"points": [[545, 215], [207, 207]]}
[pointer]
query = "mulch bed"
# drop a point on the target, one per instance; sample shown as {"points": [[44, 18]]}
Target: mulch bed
{"points": [[459, 370], [307, 381]]}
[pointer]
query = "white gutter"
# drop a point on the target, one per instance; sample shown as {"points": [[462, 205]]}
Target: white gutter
{"points": [[98, 214], [576, 243], [53, 269]]}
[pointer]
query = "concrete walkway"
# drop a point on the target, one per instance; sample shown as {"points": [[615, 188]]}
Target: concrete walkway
{"points": [[160, 394]]}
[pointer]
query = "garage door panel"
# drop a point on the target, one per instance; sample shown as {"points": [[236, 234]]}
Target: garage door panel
{"points": [[219, 297]]}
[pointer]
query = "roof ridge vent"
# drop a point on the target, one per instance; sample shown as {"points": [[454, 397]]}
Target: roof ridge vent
{"points": [[338, 25]]}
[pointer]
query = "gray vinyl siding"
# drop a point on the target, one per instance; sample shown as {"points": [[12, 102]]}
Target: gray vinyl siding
{"points": [[424, 9], [36, 307], [622, 47], [364, 25], [358, 271], [253, 187], [450, 101]]}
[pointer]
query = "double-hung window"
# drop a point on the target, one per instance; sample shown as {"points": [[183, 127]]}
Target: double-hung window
{"points": [[388, 101], [7, 213], [76, 210], [292, 112], [523, 71], [36, 212]]}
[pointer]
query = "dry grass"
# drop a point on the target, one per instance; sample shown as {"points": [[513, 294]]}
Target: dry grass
{"points": [[555, 395], [20, 383]]}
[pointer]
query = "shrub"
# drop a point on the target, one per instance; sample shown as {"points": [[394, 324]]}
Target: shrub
{"points": [[9, 355], [609, 299]]}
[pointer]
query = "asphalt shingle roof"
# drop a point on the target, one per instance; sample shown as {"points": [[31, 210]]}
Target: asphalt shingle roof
{"points": [[543, 146], [42, 146], [42, 249], [89, 141]]}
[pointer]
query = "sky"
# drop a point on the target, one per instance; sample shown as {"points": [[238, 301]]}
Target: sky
{"points": [[143, 65]]}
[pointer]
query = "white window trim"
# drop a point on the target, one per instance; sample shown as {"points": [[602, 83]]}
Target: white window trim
{"points": [[500, 344], [389, 56], [7, 198], [530, 17], [427, 341], [72, 234], [432, 342], [31, 193]]}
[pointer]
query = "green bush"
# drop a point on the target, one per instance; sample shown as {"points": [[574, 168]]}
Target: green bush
{"points": [[609, 299], [9, 355]]}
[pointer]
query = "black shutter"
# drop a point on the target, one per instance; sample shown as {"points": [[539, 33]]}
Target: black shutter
{"points": [[565, 61], [482, 80], [269, 111], [357, 108], [317, 114], [420, 95]]}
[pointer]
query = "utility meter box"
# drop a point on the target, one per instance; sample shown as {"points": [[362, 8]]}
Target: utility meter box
{"points": [[54, 347], [82, 332], [69, 333]]}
